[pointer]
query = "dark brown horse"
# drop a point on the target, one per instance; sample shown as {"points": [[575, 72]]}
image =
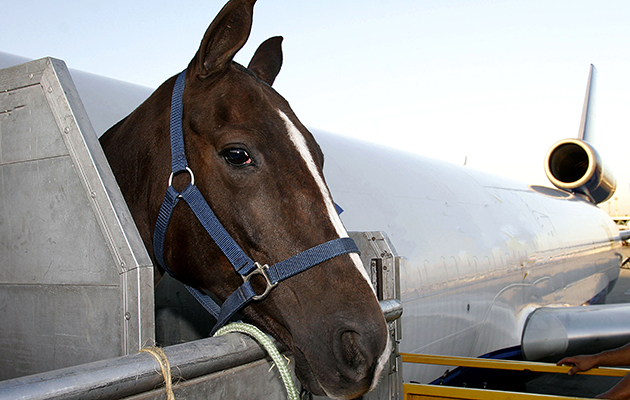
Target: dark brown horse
{"points": [[261, 172]]}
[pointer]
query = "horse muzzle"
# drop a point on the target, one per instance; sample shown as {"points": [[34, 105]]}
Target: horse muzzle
{"points": [[346, 367]]}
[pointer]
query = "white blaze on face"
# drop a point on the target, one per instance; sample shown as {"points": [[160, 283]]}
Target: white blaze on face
{"points": [[300, 143]]}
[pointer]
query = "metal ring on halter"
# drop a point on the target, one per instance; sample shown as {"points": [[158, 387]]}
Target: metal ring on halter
{"points": [[192, 176], [260, 270]]}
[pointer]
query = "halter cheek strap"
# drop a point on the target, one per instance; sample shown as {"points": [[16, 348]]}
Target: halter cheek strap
{"points": [[237, 257]]}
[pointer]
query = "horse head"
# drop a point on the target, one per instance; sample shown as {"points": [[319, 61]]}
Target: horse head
{"points": [[261, 172]]}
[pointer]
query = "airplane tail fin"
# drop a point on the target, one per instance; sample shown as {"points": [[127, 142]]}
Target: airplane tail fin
{"points": [[588, 110]]}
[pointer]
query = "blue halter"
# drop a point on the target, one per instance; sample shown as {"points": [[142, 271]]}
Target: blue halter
{"points": [[237, 257]]}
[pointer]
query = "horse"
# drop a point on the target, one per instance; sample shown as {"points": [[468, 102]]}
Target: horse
{"points": [[260, 172]]}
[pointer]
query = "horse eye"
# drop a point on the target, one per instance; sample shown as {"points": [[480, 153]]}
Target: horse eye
{"points": [[237, 157]]}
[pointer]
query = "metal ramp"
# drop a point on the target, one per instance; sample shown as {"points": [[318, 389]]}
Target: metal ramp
{"points": [[76, 283]]}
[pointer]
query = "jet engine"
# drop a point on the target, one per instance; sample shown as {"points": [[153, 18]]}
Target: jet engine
{"points": [[575, 165]]}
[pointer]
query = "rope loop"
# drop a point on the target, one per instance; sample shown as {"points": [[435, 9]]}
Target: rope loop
{"points": [[271, 349], [161, 358]]}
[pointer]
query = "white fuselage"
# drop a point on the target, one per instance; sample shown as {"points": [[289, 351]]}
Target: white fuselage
{"points": [[482, 252]]}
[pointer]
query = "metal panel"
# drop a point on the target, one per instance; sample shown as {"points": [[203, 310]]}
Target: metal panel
{"points": [[106, 100], [39, 202], [230, 366], [383, 264], [45, 327], [76, 283]]}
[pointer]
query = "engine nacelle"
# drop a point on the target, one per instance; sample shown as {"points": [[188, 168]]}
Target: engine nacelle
{"points": [[575, 165]]}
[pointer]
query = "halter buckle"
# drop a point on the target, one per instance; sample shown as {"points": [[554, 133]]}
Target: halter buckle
{"points": [[260, 270]]}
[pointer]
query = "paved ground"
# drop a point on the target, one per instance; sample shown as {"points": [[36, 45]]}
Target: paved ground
{"points": [[583, 386]]}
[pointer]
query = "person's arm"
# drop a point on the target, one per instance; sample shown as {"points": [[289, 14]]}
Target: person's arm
{"points": [[608, 358], [620, 391]]}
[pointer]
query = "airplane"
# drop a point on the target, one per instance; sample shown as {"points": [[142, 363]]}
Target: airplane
{"points": [[483, 252], [483, 255]]}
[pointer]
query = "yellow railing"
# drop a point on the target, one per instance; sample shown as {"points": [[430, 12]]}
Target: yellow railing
{"points": [[421, 391]]}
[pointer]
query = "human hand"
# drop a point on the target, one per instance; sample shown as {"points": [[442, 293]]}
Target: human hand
{"points": [[579, 363]]}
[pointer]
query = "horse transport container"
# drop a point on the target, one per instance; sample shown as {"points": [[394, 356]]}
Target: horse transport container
{"points": [[77, 297]]}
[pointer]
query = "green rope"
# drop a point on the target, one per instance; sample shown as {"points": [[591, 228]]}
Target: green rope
{"points": [[273, 352]]}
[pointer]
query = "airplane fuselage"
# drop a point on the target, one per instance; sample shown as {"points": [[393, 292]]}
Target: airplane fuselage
{"points": [[482, 252]]}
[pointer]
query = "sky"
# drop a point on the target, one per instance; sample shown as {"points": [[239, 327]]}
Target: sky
{"points": [[491, 83]]}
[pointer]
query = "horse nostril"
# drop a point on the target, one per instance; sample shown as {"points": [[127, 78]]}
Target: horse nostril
{"points": [[353, 356]]}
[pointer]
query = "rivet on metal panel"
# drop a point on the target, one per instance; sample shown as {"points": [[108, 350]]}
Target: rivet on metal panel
{"points": [[50, 90], [30, 76], [93, 194], [127, 315], [66, 129], [122, 264]]}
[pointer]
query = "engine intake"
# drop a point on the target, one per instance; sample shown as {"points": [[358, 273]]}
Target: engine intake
{"points": [[575, 165]]}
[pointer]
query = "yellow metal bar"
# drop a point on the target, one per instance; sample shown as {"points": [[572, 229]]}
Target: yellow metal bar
{"points": [[413, 391], [505, 364]]}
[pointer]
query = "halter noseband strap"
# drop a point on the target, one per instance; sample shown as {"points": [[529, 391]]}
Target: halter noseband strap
{"points": [[237, 257]]}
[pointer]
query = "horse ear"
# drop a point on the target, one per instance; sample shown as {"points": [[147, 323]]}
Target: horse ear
{"points": [[267, 60], [225, 36]]}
